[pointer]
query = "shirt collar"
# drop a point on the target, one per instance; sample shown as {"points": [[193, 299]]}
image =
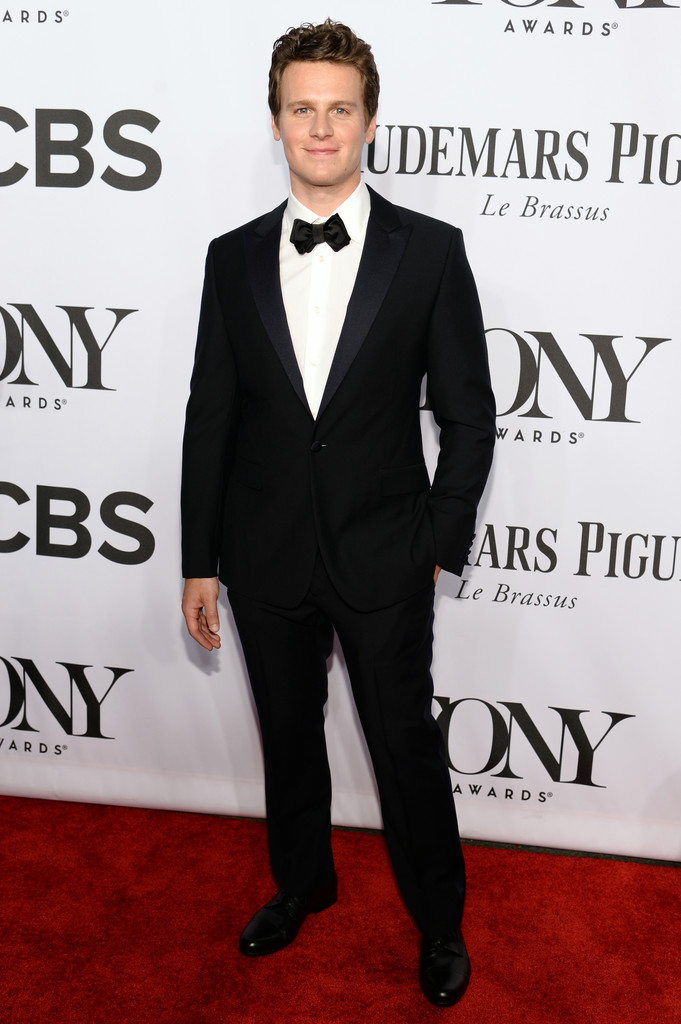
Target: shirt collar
{"points": [[354, 211]]}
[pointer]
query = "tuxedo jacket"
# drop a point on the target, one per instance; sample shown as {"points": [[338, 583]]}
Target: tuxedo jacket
{"points": [[266, 485]]}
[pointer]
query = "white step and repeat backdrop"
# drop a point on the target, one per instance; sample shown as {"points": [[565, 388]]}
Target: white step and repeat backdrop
{"points": [[131, 133]]}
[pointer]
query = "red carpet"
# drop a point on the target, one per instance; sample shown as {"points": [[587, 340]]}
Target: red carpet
{"points": [[113, 915]]}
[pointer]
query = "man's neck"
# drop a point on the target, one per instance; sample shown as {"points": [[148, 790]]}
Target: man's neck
{"points": [[323, 200]]}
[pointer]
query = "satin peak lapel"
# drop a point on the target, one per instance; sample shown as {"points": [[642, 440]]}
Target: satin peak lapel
{"points": [[385, 242], [262, 264]]}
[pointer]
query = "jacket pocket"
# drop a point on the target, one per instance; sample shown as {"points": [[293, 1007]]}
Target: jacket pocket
{"points": [[404, 479]]}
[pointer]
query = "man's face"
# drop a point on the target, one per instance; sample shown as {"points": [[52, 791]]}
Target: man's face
{"points": [[322, 127]]}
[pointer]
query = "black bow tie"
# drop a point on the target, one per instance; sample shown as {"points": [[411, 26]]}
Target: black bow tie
{"points": [[305, 236]]}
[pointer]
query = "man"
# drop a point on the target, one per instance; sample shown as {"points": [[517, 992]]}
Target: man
{"points": [[305, 489]]}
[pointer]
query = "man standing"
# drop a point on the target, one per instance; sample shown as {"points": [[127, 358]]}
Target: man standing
{"points": [[305, 489]]}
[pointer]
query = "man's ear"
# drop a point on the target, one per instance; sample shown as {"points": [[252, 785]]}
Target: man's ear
{"points": [[275, 129], [371, 130]]}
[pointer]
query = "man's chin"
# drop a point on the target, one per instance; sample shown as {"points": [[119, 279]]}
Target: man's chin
{"points": [[327, 178]]}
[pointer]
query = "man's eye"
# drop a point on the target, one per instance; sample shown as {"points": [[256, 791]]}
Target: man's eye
{"points": [[341, 110], [302, 110]]}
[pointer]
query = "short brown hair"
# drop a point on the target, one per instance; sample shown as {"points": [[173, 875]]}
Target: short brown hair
{"points": [[330, 41]]}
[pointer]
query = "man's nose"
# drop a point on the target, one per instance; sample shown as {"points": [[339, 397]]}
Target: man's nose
{"points": [[321, 126]]}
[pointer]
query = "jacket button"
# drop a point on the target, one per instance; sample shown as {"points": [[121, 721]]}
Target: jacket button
{"points": [[316, 446]]}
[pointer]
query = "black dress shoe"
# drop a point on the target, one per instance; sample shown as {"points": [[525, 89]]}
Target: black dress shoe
{"points": [[444, 969], [278, 923]]}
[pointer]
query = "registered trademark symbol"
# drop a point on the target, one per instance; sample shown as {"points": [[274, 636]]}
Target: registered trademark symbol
{"points": [[580, 435], [66, 14], [549, 795], [63, 401], [64, 747], [614, 25]]}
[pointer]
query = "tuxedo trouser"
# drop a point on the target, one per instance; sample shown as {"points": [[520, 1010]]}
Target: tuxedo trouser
{"points": [[388, 655]]}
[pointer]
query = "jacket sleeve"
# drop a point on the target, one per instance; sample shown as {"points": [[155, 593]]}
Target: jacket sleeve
{"points": [[461, 398], [209, 434]]}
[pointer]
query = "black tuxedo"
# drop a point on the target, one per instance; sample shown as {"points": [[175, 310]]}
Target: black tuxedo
{"points": [[265, 484], [313, 523]]}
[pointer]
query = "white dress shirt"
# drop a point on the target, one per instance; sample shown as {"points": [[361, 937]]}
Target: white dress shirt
{"points": [[316, 288]]}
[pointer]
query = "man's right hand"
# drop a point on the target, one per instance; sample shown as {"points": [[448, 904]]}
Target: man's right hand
{"points": [[200, 610]]}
